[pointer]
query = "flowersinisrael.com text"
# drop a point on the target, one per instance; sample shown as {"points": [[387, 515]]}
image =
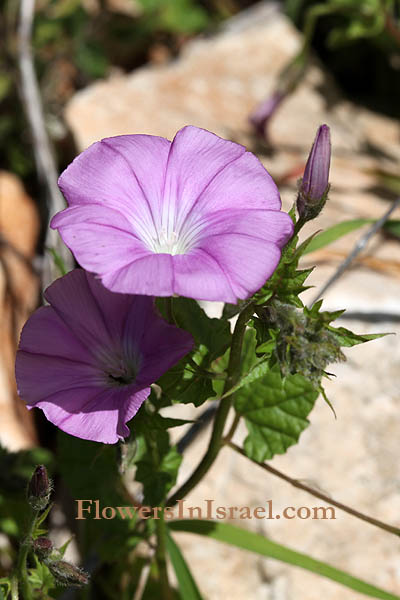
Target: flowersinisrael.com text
{"points": [[91, 509]]}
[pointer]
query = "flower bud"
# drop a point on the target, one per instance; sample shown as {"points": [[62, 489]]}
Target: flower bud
{"points": [[43, 547], [287, 82], [39, 489], [263, 112], [67, 574], [314, 186]]}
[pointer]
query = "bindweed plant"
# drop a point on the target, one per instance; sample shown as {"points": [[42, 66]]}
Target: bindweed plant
{"points": [[156, 227]]}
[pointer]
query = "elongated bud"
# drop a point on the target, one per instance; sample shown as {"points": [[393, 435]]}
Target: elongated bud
{"points": [[67, 574], [314, 186], [263, 112], [43, 547], [39, 489], [288, 80]]}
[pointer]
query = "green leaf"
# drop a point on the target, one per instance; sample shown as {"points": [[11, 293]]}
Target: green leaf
{"points": [[348, 338], [287, 282], [187, 585], [90, 57], [90, 472], [275, 410], [254, 542], [334, 233], [40, 577], [58, 261], [392, 227], [156, 460], [5, 583], [184, 383], [159, 478], [213, 334]]}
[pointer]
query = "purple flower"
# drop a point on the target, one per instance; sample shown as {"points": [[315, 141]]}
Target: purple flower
{"points": [[315, 183], [261, 115], [88, 359], [198, 217]]}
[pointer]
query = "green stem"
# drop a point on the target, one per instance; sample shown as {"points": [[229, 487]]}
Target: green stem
{"points": [[312, 15], [22, 573], [298, 225], [215, 444], [161, 557], [232, 429], [14, 587]]}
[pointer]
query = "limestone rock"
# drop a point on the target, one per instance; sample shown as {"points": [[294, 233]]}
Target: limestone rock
{"points": [[19, 227]]}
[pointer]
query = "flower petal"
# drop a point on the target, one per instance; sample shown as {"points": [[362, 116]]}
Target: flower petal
{"points": [[199, 275], [46, 333], [125, 173], [172, 344], [39, 376], [196, 157], [244, 183], [100, 417], [268, 225], [247, 261], [72, 299], [150, 275], [100, 237]]}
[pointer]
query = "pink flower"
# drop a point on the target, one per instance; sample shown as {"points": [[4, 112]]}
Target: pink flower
{"points": [[198, 217], [88, 359]]}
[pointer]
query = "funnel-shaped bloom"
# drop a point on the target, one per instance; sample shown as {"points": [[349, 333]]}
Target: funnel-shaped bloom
{"points": [[88, 359], [198, 217]]}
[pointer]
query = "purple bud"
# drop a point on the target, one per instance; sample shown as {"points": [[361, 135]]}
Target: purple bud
{"points": [[39, 489], [263, 112], [315, 183], [42, 547], [67, 574]]}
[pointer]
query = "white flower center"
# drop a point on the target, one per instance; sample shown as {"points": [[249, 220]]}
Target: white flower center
{"points": [[171, 243]]}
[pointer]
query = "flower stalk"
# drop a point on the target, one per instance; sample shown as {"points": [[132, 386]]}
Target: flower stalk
{"points": [[216, 441], [21, 571]]}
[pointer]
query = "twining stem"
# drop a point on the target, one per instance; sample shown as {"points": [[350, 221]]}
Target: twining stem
{"points": [[296, 483], [312, 15], [215, 444], [22, 573], [232, 429], [161, 556]]}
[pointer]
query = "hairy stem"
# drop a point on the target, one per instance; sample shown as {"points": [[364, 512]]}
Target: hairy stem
{"points": [[320, 495], [22, 573], [161, 557], [215, 444]]}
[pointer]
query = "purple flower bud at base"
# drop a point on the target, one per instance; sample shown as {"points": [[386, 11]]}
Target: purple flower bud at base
{"points": [[42, 547], [39, 489]]}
